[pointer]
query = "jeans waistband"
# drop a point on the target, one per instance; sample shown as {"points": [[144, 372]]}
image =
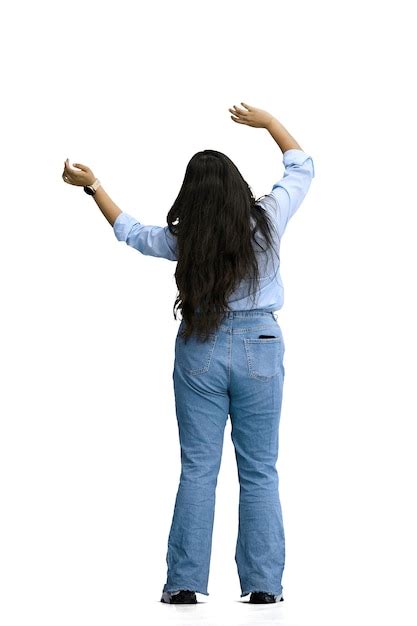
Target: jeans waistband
{"points": [[249, 313]]}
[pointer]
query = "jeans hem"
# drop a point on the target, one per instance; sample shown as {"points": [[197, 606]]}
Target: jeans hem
{"points": [[274, 593], [190, 587]]}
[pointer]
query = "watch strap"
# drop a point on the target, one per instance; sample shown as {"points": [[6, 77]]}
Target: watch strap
{"points": [[91, 189]]}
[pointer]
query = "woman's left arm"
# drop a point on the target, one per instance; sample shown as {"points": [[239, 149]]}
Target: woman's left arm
{"points": [[106, 205], [83, 177], [148, 239]]}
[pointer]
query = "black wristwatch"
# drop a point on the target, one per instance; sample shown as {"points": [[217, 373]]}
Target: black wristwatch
{"points": [[91, 189]]}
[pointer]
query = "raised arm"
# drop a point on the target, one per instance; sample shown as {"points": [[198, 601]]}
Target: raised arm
{"points": [[289, 191], [281, 135], [146, 238], [258, 118]]}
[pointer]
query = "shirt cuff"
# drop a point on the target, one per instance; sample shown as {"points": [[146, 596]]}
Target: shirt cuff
{"points": [[122, 225], [295, 156]]}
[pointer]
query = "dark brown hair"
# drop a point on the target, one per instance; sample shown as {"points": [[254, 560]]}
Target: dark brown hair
{"points": [[215, 209]]}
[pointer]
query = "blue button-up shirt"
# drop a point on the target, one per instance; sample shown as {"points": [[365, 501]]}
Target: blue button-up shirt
{"points": [[281, 203]]}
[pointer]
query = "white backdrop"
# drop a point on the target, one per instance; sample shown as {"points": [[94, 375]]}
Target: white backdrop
{"points": [[89, 450]]}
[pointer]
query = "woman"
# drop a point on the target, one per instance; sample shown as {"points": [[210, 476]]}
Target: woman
{"points": [[229, 351]]}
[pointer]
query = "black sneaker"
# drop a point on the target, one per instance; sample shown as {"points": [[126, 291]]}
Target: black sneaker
{"points": [[184, 596], [261, 597]]}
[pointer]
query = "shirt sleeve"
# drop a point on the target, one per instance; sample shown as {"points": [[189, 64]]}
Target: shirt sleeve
{"points": [[151, 240], [288, 193]]}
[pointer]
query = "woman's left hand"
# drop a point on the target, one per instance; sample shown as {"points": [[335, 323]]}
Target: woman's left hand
{"points": [[76, 177]]}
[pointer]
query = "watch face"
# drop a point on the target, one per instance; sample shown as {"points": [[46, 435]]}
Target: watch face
{"points": [[89, 191]]}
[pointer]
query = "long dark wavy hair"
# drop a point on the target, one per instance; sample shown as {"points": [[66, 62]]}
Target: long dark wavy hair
{"points": [[214, 234]]}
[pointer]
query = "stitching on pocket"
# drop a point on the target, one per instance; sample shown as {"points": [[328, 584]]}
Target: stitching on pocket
{"points": [[182, 350], [263, 364]]}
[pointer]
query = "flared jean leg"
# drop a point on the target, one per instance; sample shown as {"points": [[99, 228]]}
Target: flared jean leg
{"points": [[202, 412], [255, 408]]}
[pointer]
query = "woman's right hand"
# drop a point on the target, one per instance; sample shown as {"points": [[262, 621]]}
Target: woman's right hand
{"points": [[251, 117]]}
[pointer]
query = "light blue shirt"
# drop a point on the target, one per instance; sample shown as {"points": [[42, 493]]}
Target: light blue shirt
{"points": [[281, 203]]}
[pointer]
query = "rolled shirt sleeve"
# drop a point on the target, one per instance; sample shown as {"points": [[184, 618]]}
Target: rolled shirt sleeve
{"points": [[288, 193], [148, 239]]}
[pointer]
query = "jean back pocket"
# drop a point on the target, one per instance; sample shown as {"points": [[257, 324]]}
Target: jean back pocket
{"points": [[264, 356], [194, 356]]}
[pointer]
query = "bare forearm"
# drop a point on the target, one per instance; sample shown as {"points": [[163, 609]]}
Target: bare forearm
{"points": [[106, 205], [280, 134]]}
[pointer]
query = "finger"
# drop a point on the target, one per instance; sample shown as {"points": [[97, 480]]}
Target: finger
{"points": [[82, 167], [240, 111], [236, 119], [67, 168], [246, 106], [236, 110]]}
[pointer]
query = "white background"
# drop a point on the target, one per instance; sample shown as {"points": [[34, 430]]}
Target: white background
{"points": [[89, 450]]}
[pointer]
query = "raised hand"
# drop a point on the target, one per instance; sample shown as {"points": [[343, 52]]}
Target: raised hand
{"points": [[258, 118], [77, 177]]}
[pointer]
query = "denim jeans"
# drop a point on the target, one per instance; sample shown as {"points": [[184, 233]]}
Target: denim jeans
{"points": [[241, 374]]}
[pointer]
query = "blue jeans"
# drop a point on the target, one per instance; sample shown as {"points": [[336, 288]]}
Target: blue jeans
{"points": [[238, 373]]}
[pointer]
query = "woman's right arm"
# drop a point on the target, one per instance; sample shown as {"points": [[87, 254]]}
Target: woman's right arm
{"points": [[258, 118], [290, 190], [281, 135]]}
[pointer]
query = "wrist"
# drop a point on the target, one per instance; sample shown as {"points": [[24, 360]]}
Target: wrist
{"points": [[91, 188], [271, 123]]}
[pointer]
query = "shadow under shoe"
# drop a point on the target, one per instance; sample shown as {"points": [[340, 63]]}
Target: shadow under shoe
{"points": [[260, 597], [184, 596]]}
